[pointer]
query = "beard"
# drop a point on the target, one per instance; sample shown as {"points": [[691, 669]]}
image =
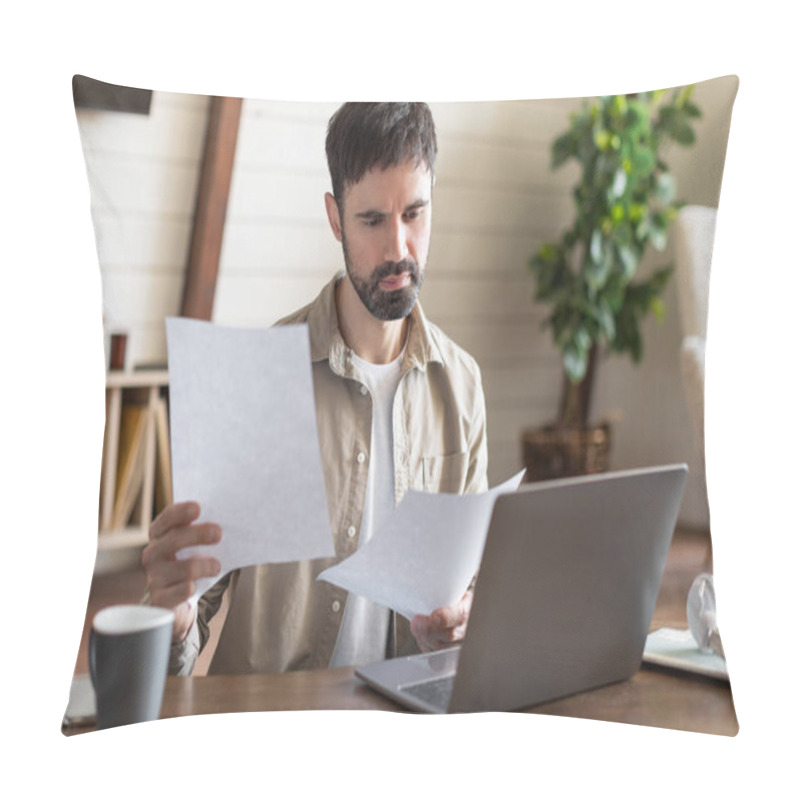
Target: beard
{"points": [[383, 305]]}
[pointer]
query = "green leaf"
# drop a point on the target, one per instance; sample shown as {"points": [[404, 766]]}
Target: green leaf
{"points": [[637, 118], [596, 247], [683, 133], [692, 110], [563, 148], [548, 252], [605, 320], [657, 308], [619, 184], [597, 273], [575, 363], [658, 237], [660, 278], [602, 139], [644, 162], [583, 340], [665, 188], [630, 261]]}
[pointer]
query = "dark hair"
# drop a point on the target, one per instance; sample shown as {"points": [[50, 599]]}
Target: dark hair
{"points": [[362, 136]]}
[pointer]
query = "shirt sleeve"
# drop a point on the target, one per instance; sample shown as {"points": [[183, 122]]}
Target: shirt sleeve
{"points": [[183, 655]]}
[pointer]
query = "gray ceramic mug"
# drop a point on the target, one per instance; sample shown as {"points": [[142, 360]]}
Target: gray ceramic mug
{"points": [[128, 658]]}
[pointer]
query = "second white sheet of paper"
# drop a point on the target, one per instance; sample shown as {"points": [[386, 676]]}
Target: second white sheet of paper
{"points": [[425, 555]]}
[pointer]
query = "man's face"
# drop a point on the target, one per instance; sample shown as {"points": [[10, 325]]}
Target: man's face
{"points": [[385, 226]]}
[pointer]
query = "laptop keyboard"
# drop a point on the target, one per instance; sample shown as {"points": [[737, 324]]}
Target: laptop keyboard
{"points": [[436, 692]]}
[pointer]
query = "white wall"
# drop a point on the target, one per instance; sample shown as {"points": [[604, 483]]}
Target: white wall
{"points": [[143, 172], [495, 201]]}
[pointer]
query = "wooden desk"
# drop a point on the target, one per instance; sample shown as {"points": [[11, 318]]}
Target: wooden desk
{"points": [[654, 696]]}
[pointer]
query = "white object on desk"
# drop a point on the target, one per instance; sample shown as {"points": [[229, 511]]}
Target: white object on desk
{"points": [[669, 647], [701, 614], [81, 707]]}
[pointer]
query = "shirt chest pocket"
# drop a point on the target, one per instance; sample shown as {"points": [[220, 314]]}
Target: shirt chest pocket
{"points": [[445, 473]]}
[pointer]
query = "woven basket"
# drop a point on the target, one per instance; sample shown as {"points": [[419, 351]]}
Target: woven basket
{"points": [[555, 452]]}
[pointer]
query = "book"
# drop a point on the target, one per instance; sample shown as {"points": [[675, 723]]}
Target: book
{"points": [[130, 463], [163, 460]]}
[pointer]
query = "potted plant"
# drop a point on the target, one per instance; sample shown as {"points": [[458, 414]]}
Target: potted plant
{"points": [[624, 201]]}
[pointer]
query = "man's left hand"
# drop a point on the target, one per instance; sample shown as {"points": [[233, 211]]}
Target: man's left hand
{"points": [[444, 627]]}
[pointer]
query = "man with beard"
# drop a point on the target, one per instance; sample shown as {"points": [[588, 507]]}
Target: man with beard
{"points": [[399, 406]]}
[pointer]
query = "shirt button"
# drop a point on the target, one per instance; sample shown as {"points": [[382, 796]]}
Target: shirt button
{"points": [[336, 605], [363, 389], [351, 531], [361, 457]]}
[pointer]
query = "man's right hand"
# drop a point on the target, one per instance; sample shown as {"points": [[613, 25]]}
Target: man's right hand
{"points": [[170, 580]]}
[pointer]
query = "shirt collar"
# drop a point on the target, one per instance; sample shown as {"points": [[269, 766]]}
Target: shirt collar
{"points": [[326, 340]]}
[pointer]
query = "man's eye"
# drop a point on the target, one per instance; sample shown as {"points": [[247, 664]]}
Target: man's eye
{"points": [[372, 222]]}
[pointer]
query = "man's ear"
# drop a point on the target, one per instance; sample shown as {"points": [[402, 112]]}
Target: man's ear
{"points": [[332, 207]]}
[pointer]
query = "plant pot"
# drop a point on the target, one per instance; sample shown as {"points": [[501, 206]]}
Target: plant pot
{"points": [[553, 451]]}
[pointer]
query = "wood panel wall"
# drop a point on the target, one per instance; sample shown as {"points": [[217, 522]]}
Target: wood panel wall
{"points": [[143, 172]]}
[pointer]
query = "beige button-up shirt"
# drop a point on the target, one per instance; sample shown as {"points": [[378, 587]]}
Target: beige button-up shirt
{"points": [[279, 616]]}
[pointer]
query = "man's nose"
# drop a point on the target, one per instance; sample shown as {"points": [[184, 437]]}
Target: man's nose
{"points": [[396, 241]]}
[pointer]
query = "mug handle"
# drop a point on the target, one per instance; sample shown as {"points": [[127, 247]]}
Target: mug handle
{"points": [[92, 668]]}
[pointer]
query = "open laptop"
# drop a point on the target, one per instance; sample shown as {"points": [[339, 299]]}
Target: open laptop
{"points": [[564, 597]]}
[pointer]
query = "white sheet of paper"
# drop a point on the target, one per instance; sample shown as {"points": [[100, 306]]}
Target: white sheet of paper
{"points": [[244, 442], [425, 555]]}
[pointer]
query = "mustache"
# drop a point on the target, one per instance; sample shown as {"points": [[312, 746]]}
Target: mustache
{"points": [[390, 268]]}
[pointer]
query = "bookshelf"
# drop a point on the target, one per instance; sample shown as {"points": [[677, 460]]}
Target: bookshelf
{"points": [[136, 477]]}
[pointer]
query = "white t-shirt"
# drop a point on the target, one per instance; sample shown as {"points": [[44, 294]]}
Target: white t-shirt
{"points": [[365, 625]]}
